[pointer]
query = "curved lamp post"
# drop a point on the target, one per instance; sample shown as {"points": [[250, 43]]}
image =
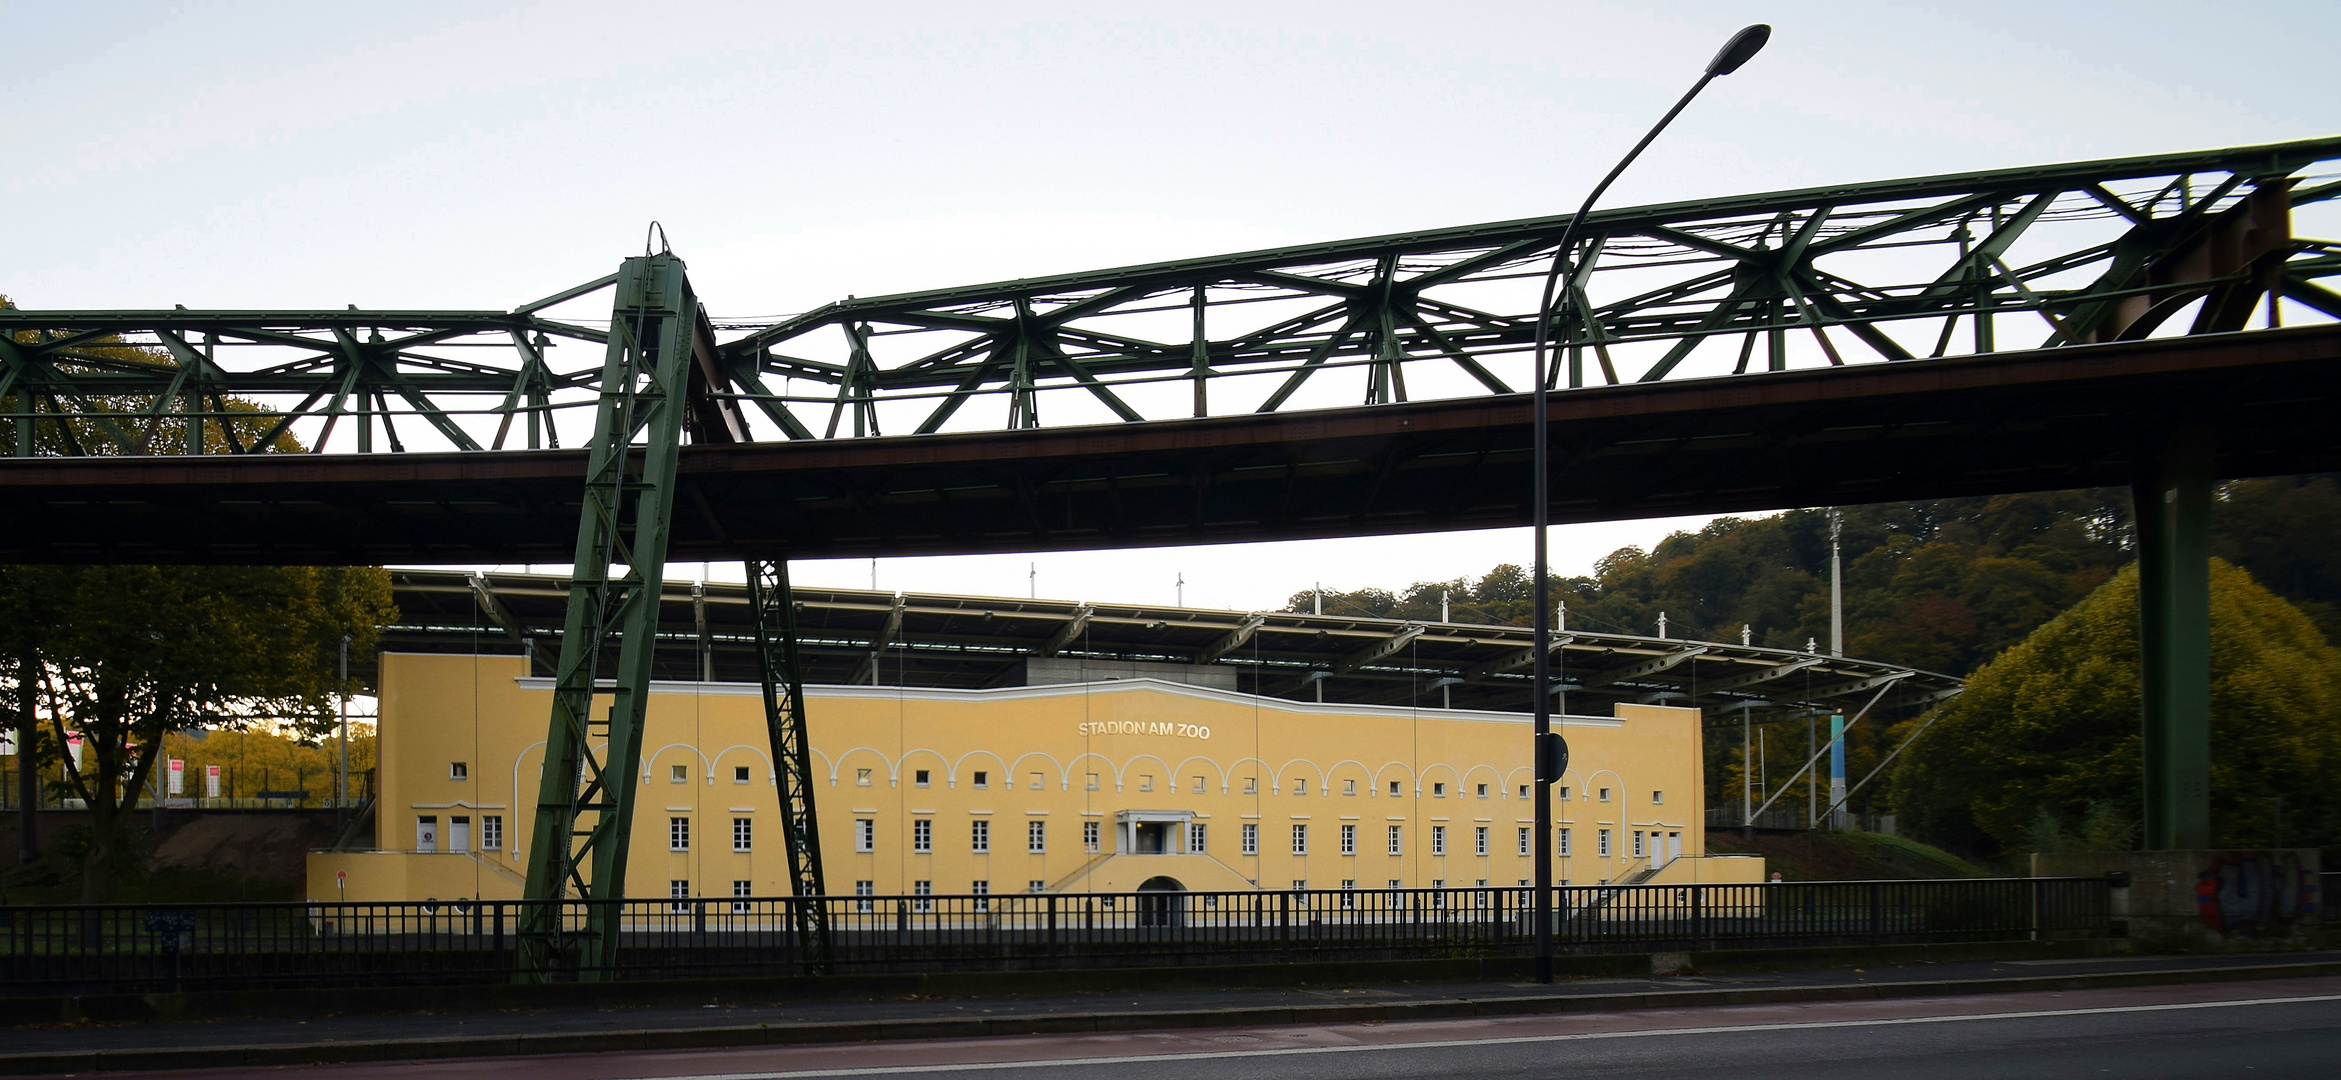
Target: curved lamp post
{"points": [[1552, 753]]}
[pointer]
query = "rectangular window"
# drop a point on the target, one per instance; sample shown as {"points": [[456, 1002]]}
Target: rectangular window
{"points": [[1658, 798], [861, 777], [1605, 794], [922, 778], [1438, 791], [1348, 892], [983, 894], [1036, 836], [920, 891], [1349, 787], [1479, 840], [1637, 843], [983, 779], [739, 774], [1300, 839], [1300, 884], [1251, 785], [1396, 831], [922, 835], [1524, 852], [1198, 785], [492, 832], [865, 835], [980, 836], [678, 834], [1093, 781], [1349, 839], [678, 774], [741, 891], [1300, 786], [864, 890], [1564, 848], [1604, 846], [1524, 791], [743, 834], [1394, 789], [1146, 782], [1563, 794], [1089, 831], [1036, 782], [1196, 835], [459, 770], [1036, 886], [678, 893], [1251, 838], [1483, 791], [1438, 839]]}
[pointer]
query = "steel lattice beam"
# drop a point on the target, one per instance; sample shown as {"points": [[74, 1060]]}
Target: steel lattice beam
{"points": [[1835, 277], [792, 752], [585, 800]]}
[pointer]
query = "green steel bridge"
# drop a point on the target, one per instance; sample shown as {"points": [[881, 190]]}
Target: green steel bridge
{"points": [[2155, 321]]}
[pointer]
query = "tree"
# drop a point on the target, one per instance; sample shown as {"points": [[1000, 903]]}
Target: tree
{"points": [[2047, 739], [125, 654]]}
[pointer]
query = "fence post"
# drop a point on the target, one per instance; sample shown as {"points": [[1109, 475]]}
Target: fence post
{"points": [[1284, 917], [1052, 938], [1877, 911], [499, 918], [1699, 918]]}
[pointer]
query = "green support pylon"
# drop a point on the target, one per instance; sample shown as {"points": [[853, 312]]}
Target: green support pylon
{"points": [[585, 800], [2172, 500], [792, 753]]}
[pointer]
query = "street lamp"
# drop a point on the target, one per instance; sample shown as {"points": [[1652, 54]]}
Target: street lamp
{"points": [[1552, 752]]}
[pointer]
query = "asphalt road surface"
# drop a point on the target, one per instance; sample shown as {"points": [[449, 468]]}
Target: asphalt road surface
{"points": [[2265, 1029]]}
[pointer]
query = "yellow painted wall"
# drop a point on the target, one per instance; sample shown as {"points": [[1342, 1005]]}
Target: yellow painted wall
{"points": [[1060, 756]]}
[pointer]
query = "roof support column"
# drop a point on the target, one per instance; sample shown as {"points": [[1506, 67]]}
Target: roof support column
{"points": [[2171, 488]]}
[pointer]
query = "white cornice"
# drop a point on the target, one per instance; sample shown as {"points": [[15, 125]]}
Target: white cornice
{"points": [[1113, 686]]}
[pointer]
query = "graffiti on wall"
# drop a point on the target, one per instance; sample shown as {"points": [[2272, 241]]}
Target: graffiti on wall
{"points": [[2255, 893]]}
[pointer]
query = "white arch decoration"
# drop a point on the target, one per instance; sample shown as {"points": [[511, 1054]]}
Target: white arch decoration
{"points": [[1227, 778], [1304, 761], [1214, 767], [771, 774], [1076, 760], [904, 764], [650, 758], [838, 765], [1134, 759], [1011, 767], [951, 776]]}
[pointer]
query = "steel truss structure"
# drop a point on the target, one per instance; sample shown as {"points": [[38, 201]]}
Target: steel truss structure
{"points": [[1827, 277], [1840, 277]]}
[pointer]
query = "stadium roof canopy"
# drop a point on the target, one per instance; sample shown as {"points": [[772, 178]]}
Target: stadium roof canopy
{"points": [[854, 636]]}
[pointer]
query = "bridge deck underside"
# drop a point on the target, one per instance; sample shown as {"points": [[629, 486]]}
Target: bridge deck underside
{"points": [[2016, 421]]}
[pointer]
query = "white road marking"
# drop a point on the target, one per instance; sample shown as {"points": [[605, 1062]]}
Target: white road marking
{"points": [[1216, 1055]]}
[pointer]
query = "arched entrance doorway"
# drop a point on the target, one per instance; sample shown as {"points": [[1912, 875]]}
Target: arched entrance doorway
{"points": [[1160, 902]]}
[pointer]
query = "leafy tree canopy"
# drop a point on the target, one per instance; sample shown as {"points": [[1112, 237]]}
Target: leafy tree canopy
{"points": [[123, 655], [2044, 747], [1939, 585]]}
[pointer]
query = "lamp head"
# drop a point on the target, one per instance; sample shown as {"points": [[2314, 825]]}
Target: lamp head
{"points": [[1742, 45]]}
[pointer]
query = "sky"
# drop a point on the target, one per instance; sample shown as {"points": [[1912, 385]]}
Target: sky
{"points": [[479, 155]]}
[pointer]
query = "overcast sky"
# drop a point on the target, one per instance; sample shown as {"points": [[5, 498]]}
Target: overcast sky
{"points": [[478, 155]]}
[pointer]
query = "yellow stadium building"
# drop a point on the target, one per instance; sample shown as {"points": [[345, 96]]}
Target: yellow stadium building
{"points": [[974, 745]]}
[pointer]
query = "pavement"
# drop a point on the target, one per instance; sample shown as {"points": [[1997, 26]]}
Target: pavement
{"points": [[244, 1044]]}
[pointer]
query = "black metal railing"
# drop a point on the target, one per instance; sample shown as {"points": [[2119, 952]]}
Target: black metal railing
{"points": [[125, 948]]}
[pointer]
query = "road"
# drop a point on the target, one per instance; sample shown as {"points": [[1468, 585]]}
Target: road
{"points": [[2263, 1029]]}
